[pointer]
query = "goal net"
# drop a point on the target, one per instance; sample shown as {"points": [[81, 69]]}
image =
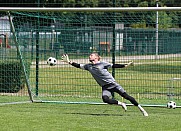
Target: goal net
{"points": [[149, 38]]}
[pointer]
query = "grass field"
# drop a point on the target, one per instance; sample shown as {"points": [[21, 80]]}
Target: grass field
{"points": [[83, 117], [62, 83]]}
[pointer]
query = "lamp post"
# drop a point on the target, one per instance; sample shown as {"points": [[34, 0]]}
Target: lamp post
{"points": [[156, 55]]}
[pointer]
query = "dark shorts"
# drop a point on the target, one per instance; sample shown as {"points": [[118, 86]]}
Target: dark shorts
{"points": [[107, 90]]}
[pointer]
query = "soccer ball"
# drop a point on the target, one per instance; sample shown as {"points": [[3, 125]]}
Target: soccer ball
{"points": [[171, 105], [51, 61]]}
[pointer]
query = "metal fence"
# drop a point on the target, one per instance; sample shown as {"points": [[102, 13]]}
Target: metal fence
{"points": [[45, 34]]}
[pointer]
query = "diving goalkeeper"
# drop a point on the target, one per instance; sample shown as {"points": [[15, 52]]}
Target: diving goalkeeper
{"points": [[99, 71]]}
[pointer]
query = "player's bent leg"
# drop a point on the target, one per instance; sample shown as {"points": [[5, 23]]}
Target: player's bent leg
{"points": [[133, 101], [130, 98], [118, 89], [106, 99]]}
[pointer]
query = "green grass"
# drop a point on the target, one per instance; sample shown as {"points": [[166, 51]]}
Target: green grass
{"points": [[73, 117], [71, 84]]}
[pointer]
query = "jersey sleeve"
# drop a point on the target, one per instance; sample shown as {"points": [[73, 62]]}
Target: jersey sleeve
{"points": [[118, 65], [83, 66], [107, 65], [75, 64]]}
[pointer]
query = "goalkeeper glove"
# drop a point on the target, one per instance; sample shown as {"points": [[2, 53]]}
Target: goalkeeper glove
{"points": [[65, 58], [130, 64]]}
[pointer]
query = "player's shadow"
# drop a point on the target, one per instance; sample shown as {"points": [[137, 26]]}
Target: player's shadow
{"points": [[95, 114]]}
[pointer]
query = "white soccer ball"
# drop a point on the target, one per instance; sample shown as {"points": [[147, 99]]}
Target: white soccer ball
{"points": [[51, 61], [171, 105]]}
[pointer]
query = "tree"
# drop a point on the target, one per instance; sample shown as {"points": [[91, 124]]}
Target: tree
{"points": [[20, 3], [71, 3]]}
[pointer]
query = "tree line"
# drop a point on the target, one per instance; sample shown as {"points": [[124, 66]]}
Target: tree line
{"points": [[89, 3]]}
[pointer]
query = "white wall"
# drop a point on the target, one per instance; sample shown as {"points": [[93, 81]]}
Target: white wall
{"points": [[4, 25]]}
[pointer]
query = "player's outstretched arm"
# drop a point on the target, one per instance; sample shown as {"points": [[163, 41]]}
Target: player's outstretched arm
{"points": [[65, 58], [122, 65], [129, 64]]}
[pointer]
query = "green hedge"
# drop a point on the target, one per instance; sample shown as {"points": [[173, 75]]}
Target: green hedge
{"points": [[12, 77]]}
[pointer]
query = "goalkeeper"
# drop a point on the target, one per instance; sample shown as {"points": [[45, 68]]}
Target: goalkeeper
{"points": [[99, 71]]}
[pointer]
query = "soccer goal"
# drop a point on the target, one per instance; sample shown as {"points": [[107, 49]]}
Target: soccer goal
{"points": [[174, 85], [148, 36]]}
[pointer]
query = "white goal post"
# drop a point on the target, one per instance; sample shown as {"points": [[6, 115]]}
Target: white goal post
{"points": [[108, 9]]}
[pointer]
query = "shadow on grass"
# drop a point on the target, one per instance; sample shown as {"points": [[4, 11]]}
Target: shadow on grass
{"points": [[96, 114]]}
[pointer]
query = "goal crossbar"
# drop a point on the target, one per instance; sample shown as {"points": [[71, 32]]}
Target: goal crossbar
{"points": [[98, 9]]}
